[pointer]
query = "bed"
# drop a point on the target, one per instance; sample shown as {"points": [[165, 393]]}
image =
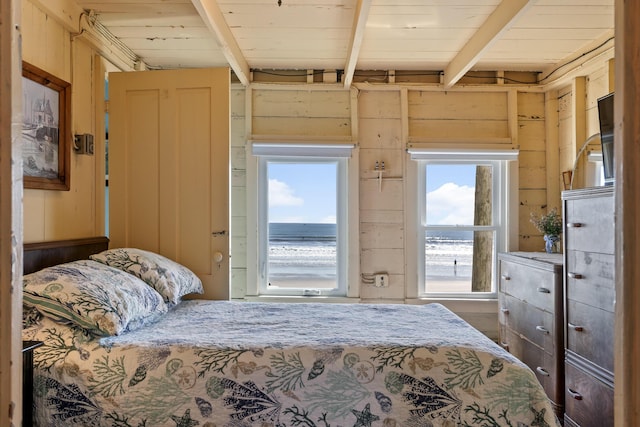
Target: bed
{"points": [[193, 362]]}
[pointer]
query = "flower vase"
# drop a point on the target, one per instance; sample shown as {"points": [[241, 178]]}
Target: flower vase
{"points": [[550, 241]]}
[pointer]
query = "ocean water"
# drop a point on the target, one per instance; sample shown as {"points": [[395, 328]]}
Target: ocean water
{"points": [[448, 254], [308, 251], [302, 251]]}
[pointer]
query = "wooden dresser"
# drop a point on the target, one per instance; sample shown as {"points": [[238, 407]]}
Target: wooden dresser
{"points": [[589, 288], [531, 316]]}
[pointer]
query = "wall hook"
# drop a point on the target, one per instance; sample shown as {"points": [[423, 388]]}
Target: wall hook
{"points": [[380, 168]]}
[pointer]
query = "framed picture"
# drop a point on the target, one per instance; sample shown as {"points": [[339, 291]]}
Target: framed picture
{"points": [[46, 129]]}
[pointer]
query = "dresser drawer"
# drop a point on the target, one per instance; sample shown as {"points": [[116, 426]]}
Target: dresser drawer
{"points": [[537, 287], [589, 224], [547, 368], [590, 279], [590, 333], [536, 325], [588, 401]]}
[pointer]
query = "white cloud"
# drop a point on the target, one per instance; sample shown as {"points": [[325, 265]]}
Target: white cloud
{"points": [[451, 204], [331, 219], [288, 219], [280, 194]]}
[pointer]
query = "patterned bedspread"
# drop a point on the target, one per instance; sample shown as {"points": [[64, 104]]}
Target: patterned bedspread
{"points": [[221, 363]]}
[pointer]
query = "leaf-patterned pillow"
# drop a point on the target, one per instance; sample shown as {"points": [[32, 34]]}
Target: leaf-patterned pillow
{"points": [[171, 279], [93, 296]]}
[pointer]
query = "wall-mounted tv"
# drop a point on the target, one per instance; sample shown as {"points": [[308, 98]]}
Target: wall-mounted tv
{"points": [[605, 115]]}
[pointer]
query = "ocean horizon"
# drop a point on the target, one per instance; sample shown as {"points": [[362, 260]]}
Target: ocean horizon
{"points": [[307, 251], [303, 231]]}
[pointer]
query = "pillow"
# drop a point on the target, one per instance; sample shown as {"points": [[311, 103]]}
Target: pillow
{"points": [[170, 279], [93, 296], [30, 316]]}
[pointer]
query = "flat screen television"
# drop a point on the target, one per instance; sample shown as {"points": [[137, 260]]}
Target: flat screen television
{"points": [[605, 115]]}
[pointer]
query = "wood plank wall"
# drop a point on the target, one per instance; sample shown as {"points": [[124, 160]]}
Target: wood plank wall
{"points": [[52, 215], [386, 119]]}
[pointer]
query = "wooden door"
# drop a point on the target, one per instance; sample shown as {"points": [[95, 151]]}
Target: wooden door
{"points": [[169, 168]]}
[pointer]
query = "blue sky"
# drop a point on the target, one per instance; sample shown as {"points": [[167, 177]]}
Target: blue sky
{"points": [[450, 194], [302, 193], [306, 193]]}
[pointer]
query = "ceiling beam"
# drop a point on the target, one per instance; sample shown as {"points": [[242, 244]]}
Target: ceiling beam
{"points": [[357, 34], [211, 14], [500, 20], [65, 12]]}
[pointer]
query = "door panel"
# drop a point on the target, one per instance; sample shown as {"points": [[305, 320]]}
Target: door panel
{"points": [[169, 168]]}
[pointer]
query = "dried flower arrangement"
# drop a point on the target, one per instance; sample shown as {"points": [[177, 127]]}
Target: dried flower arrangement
{"points": [[549, 224]]}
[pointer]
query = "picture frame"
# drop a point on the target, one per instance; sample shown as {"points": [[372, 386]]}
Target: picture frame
{"points": [[46, 130]]}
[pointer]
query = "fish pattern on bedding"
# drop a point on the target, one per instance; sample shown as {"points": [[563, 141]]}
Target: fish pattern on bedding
{"points": [[235, 364]]}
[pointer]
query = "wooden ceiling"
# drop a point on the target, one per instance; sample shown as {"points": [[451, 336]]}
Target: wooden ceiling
{"points": [[449, 36]]}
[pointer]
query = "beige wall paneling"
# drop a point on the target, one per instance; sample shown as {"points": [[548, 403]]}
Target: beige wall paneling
{"points": [[410, 216], [566, 151], [579, 128], [45, 42], [169, 168], [10, 215], [381, 201], [238, 156], [382, 235], [251, 203], [50, 215], [353, 201], [77, 210], [597, 85], [555, 181], [283, 112], [512, 190], [534, 168], [533, 200], [458, 115]]}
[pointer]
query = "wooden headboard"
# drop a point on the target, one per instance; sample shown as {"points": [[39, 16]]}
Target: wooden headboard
{"points": [[39, 255]]}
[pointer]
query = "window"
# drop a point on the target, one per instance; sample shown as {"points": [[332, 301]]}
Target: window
{"points": [[302, 220], [462, 201]]}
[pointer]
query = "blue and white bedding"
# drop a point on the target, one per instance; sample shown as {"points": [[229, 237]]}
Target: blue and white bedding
{"points": [[236, 364]]}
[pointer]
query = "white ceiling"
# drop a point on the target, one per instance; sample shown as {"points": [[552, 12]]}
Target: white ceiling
{"points": [[452, 36]]}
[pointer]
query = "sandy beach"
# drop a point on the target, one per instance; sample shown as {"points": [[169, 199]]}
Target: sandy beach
{"points": [[435, 283]]}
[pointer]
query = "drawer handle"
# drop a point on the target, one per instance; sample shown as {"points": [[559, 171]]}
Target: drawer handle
{"points": [[544, 290], [542, 329], [574, 394], [542, 371], [505, 345], [575, 275], [574, 224], [505, 310], [505, 277], [575, 327]]}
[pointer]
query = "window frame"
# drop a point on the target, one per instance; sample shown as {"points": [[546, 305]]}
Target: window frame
{"points": [[505, 193], [346, 154], [341, 226]]}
